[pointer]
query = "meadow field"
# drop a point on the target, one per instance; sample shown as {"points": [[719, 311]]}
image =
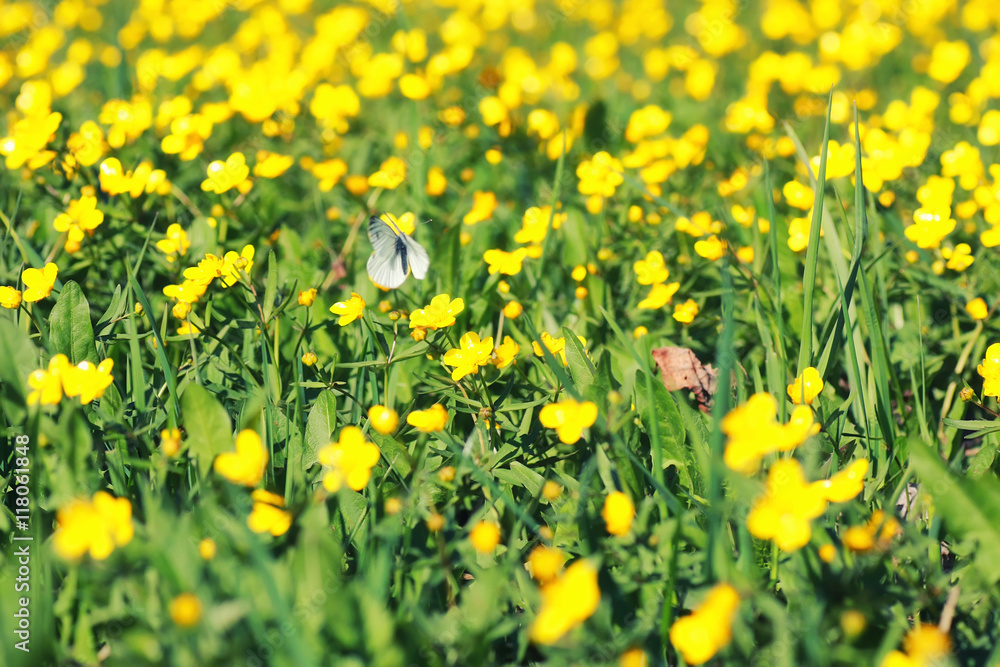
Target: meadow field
{"points": [[701, 367]]}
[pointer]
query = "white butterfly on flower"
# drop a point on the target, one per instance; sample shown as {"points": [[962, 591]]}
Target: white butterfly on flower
{"points": [[395, 254]]}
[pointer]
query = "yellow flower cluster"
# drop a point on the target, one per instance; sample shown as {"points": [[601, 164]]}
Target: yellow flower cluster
{"points": [[84, 380]]}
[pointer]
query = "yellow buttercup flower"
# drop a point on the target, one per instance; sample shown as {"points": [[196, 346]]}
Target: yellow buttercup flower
{"points": [[703, 633], [38, 283], [434, 418], [438, 314], [47, 384], [485, 536], [618, 513], [569, 418], [505, 354], [96, 527], [469, 356], [185, 610], [652, 270], [846, 484], [483, 206], [306, 297], [567, 601], [10, 297], [989, 370], [544, 563], [686, 312], [223, 176], [176, 241], [505, 263], [390, 174], [783, 513], [349, 310], [350, 460], [659, 295], [247, 464], [383, 419], [235, 265], [268, 515], [806, 387]]}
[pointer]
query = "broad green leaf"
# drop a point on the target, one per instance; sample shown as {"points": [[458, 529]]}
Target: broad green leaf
{"points": [[18, 359], [320, 425], [662, 408], [70, 329], [969, 507], [209, 429], [581, 368]]}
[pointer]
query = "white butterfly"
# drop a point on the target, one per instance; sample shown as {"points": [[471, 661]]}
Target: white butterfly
{"points": [[395, 255]]}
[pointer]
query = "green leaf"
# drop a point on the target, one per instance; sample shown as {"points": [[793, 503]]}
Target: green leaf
{"points": [[18, 359], [70, 329], [581, 368], [394, 452], [116, 309], [969, 507], [660, 407], [320, 425], [520, 475], [209, 429]]}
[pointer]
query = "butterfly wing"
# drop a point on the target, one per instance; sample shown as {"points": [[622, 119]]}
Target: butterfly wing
{"points": [[387, 265], [416, 256]]}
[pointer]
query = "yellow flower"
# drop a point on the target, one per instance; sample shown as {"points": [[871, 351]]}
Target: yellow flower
{"points": [[753, 432], [535, 224], [989, 370], [437, 183], [634, 657], [798, 195], [567, 602], [383, 419], [812, 383], [925, 643], [93, 526], [483, 205], [176, 242], [350, 460], [618, 513], [569, 418], [81, 218], [948, 59], [652, 270], [659, 296], [247, 464], [329, 173], [306, 297], [235, 265], [187, 136], [485, 536], [438, 314], [557, 346], [390, 174], [9, 297], [839, 160], [469, 355], [39, 283], [309, 358], [87, 381], [783, 513], [711, 248], [544, 563], [600, 175], [929, 229], [349, 310], [28, 139], [207, 548], [267, 515], [847, 483], [505, 354], [185, 610], [876, 534], [223, 176], [686, 312], [47, 384], [430, 420], [414, 87], [170, 441], [271, 165], [513, 310], [960, 258], [976, 308], [88, 144], [505, 263], [707, 630]]}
